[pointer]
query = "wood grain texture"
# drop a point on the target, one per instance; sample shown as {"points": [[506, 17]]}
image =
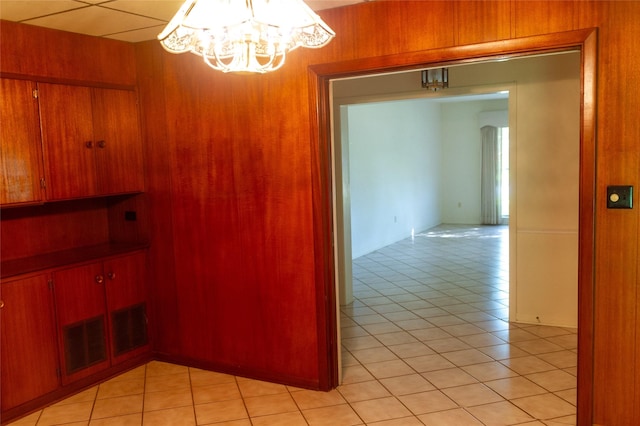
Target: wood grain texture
{"points": [[239, 251], [30, 231], [29, 358], [116, 132], [69, 144], [20, 145], [125, 286], [482, 21], [161, 275], [616, 349], [60, 56], [542, 17], [79, 296]]}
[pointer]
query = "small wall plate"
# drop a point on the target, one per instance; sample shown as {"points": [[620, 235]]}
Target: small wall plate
{"points": [[620, 197]]}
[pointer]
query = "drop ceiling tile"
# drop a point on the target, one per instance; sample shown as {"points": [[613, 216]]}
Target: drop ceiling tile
{"points": [[20, 10], [163, 10], [95, 20]]}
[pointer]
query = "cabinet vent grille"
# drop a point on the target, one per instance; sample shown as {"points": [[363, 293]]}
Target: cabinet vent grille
{"points": [[129, 328], [84, 344]]}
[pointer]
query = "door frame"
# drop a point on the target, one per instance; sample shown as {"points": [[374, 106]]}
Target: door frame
{"points": [[322, 191]]}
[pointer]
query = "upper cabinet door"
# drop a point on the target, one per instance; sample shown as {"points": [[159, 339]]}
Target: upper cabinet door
{"points": [[20, 145], [117, 137], [69, 146]]}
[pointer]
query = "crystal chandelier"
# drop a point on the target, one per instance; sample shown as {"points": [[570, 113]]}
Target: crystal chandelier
{"points": [[244, 36]]}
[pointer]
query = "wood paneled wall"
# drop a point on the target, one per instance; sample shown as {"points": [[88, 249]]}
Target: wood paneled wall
{"points": [[236, 253], [65, 57], [236, 195]]}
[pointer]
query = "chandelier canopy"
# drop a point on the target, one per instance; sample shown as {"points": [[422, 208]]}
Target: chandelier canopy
{"points": [[244, 36]]}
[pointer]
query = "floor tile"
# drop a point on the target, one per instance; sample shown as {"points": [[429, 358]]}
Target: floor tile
{"points": [[385, 369], [554, 380], [217, 412], [363, 391], [67, 413], [285, 419], [500, 414], [515, 387], [167, 399], [376, 410], [429, 363], [250, 388], [427, 402], [115, 388], [473, 394], [183, 416], [308, 399], [126, 420], [403, 385], [270, 404], [455, 417], [335, 415], [449, 377], [544, 407], [119, 406], [216, 393]]}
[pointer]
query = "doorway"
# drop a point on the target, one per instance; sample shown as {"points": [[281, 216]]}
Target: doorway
{"points": [[320, 77]]}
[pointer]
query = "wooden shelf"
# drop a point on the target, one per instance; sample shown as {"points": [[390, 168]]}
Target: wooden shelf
{"points": [[15, 267]]}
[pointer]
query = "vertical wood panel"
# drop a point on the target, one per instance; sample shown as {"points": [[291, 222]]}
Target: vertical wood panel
{"points": [[616, 302], [162, 275], [42, 52], [481, 21], [541, 17]]}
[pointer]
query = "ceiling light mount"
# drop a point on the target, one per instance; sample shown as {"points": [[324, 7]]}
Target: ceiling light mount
{"points": [[244, 36], [435, 79]]}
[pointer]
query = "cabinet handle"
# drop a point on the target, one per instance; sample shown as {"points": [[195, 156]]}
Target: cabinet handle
{"points": [[99, 279], [88, 144], [111, 275], [102, 144], [1, 304]]}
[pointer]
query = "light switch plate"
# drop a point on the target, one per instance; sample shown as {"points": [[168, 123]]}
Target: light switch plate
{"points": [[620, 197]]}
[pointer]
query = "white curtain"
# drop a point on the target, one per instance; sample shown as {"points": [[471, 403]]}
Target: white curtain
{"points": [[491, 177]]}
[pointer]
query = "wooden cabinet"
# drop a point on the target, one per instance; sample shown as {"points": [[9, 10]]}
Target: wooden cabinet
{"points": [[101, 314], [29, 357], [91, 140], [20, 147]]}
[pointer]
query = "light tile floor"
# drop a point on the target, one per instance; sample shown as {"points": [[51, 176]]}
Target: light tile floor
{"points": [[426, 342]]}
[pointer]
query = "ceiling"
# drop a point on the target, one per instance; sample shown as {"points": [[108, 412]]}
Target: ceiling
{"points": [[126, 20]]}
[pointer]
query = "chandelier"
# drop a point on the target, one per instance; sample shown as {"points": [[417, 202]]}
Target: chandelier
{"points": [[244, 36]]}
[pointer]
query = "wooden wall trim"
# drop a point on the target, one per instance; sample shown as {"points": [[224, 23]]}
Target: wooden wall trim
{"points": [[586, 237], [320, 76]]}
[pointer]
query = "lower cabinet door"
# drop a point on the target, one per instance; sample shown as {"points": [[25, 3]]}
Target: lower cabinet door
{"points": [[29, 359], [126, 303], [81, 311]]}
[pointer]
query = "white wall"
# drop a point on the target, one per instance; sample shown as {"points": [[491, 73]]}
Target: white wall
{"points": [[394, 170], [545, 177], [462, 159], [545, 162]]}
